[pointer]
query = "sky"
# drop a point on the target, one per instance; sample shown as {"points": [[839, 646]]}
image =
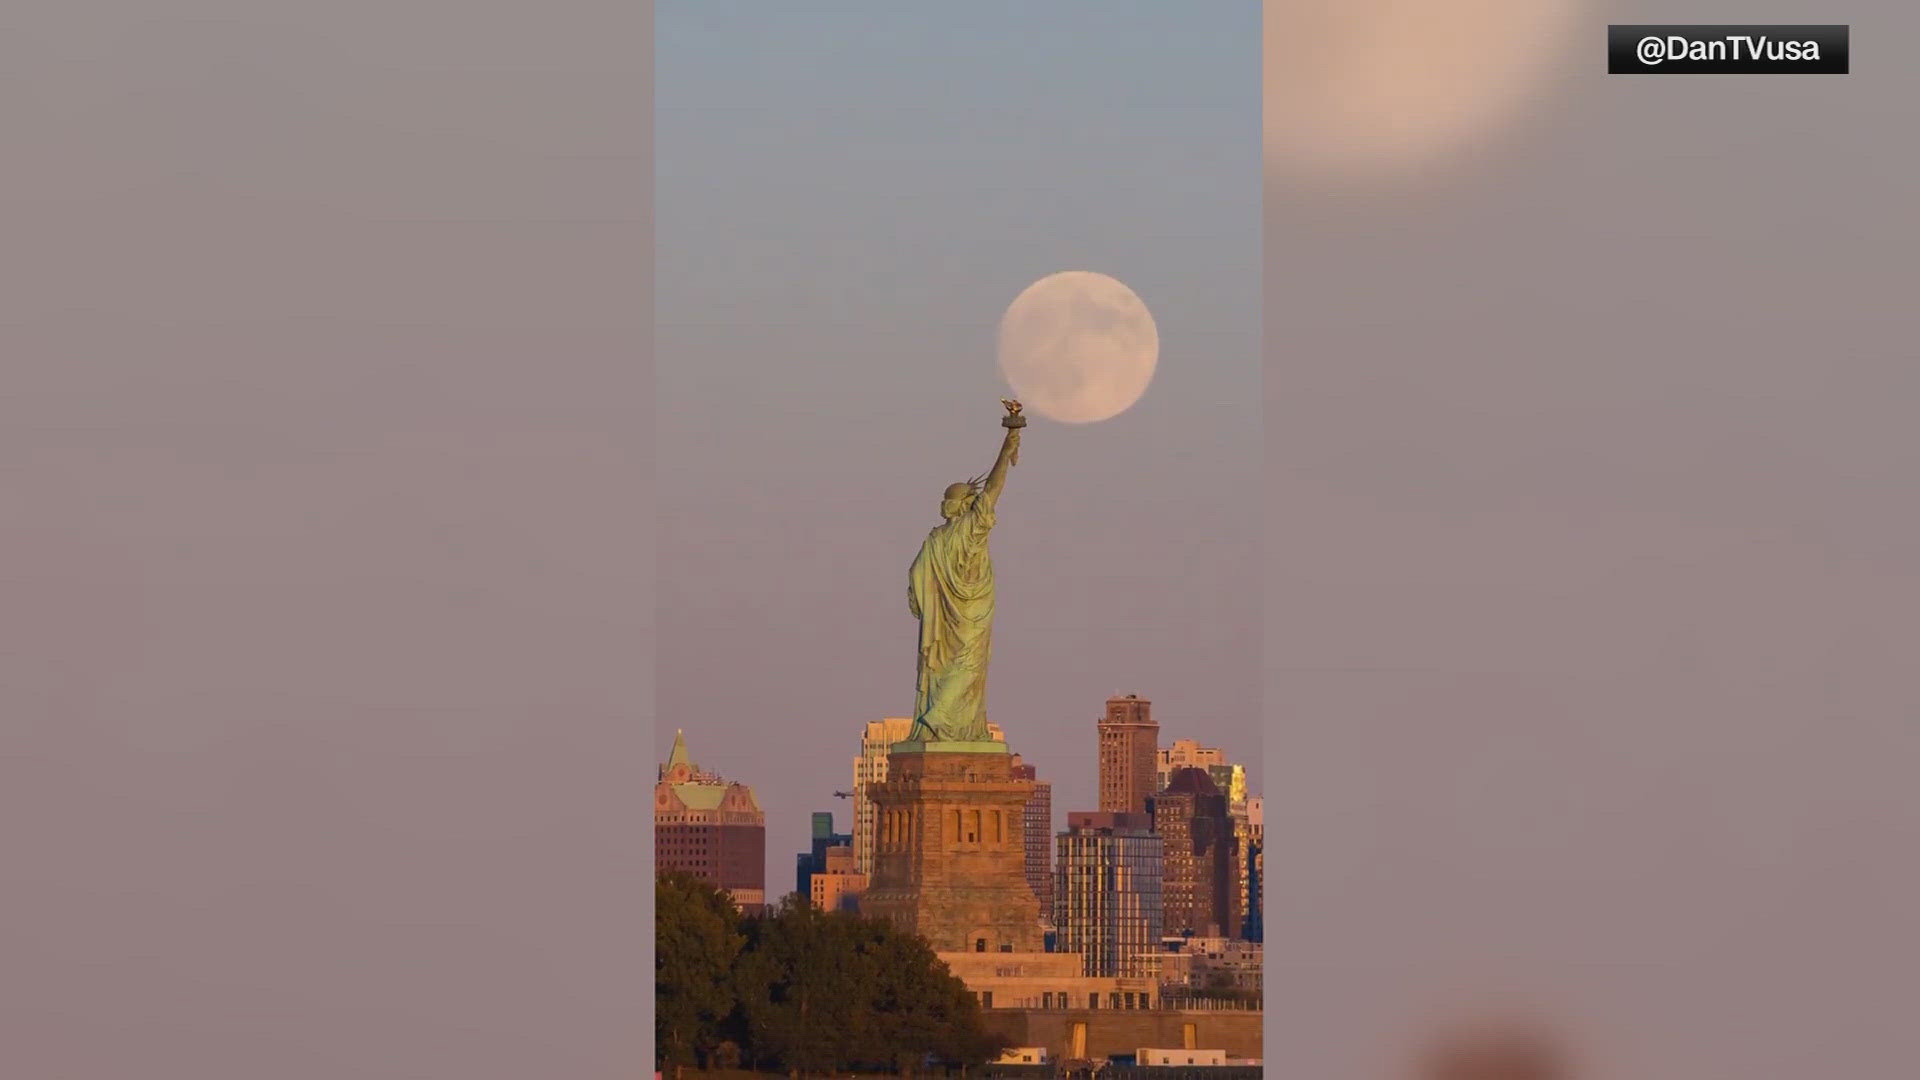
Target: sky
{"points": [[1592, 593], [848, 197]]}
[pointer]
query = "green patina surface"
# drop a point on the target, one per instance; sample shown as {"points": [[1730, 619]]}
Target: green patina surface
{"points": [[950, 590]]}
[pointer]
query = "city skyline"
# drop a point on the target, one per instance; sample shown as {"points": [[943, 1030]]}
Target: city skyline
{"points": [[845, 810]]}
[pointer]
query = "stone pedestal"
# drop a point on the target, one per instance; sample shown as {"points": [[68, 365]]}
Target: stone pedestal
{"points": [[950, 850]]}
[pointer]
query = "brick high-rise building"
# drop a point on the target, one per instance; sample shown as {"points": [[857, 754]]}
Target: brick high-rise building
{"points": [[1231, 778], [710, 828], [1039, 835], [1129, 755], [1109, 889], [1200, 883]]}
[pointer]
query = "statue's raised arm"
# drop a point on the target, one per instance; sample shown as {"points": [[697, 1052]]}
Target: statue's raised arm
{"points": [[1009, 453]]}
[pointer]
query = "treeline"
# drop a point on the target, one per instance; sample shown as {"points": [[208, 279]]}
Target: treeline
{"points": [[800, 990]]}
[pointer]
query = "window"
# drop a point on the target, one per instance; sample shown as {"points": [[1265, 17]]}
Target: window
{"points": [[986, 999], [979, 944]]}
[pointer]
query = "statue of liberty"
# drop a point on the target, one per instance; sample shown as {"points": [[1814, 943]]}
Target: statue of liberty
{"points": [[950, 590]]}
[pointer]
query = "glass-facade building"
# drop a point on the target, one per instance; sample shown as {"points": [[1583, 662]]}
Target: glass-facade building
{"points": [[1107, 898]]}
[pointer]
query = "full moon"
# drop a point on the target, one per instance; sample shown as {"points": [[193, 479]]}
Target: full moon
{"points": [[1078, 347]]}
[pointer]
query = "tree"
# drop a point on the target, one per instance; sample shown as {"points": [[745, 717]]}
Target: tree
{"points": [[834, 991], [697, 943], [921, 1008], [800, 994]]}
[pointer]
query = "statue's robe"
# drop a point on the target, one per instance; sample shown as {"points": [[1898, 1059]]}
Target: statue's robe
{"points": [[950, 589]]}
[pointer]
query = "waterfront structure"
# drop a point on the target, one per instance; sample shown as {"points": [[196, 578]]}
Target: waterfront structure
{"points": [[1129, 755], [1201, 878], [710, 828], [1157, 1058], [1193, 964], [1109, 889], [1043, 980], [1038, 834], [1079, 1034]]}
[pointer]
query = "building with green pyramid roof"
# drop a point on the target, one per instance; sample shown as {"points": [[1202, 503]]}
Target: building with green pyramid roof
{"points": [[711, 828]]}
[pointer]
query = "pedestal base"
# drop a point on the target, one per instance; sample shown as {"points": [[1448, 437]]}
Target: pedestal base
{"points": [[950, 849]]}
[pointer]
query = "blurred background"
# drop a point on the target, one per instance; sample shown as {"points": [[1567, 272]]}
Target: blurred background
{"points": [[1593, 590], [324, 544]]}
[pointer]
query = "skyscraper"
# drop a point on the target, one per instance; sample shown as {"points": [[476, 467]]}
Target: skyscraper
{"points": [[1109, 893], [710, 828], [870, 767], [1201, 879], [1129, 755], [1039, 835], [1231, 778]]}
